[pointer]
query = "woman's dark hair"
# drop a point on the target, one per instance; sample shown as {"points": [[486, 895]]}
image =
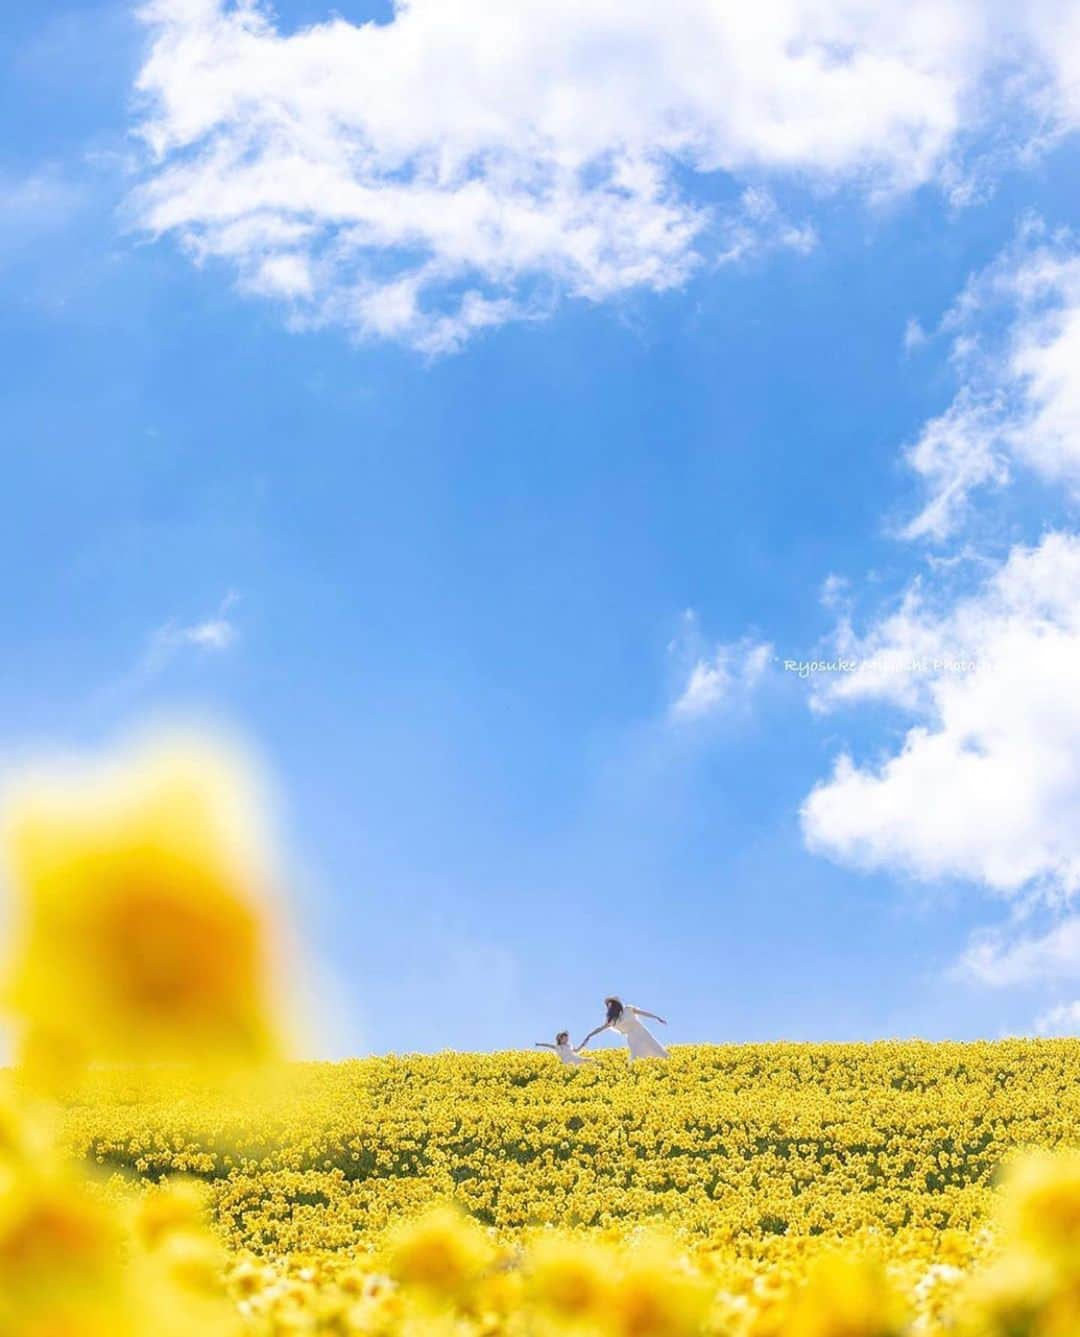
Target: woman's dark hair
{"points": [[614, 1008], [562, 1037]]}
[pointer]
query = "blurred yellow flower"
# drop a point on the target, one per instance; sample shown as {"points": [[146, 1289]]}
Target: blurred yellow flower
{"points": [[442, 1252], [1010, 1298], [49, 1227], [845, 1296], [25, 1135], [1042, 1203], [169, 1208], [657, 1296], [194, 1261], [141, 914], [571, 1279], [60, 1256]]}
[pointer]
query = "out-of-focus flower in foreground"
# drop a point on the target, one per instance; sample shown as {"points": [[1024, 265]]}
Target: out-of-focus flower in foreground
{"points": [[1042, 1205], [846, 1296], [141, 917], [571, 1280], [441, 1254], [1015, 1295], [169, 1208], [61, 1259], [657, 1295], [70, 1268]]}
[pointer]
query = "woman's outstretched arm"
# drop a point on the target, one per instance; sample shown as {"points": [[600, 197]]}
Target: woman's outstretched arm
{"points": [[640, 1012], [544, 1044], [592, 1033]]}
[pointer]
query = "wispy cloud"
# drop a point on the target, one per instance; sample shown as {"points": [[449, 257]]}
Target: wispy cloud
{"points": [[1015, 344], [1064, 1019], [914, 335], [758, 225], [719, 678], [213, 635], [999, 960]]}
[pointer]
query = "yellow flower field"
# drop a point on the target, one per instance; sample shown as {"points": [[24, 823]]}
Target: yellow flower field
{"points": [[738, 1143], [164, 1173], [721, 1180]]}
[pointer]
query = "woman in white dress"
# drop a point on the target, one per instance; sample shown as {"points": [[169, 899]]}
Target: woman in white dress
{"points": [[562, 1046], [625, 1019]]}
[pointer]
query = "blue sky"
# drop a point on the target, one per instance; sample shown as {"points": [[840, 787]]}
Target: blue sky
{"points": [[495, 549]]}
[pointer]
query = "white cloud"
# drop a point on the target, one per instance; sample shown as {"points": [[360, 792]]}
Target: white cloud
{"points": [[213, 635], [468, 162], [986, 786], [722, 679], [835, 593], [759, 225], [216, 633], [1053, 26], [955, 454], [1016, 333], [998, 961], [1064, 1019], [914, 335]]}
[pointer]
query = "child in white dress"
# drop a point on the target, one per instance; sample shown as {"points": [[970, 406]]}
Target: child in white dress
{"points": [[563, 1047], [625, 1019]]}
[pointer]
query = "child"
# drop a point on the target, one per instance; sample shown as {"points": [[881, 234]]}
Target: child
{"points": [[562, 1047]]}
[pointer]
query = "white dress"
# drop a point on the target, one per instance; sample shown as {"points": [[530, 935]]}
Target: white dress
{"points": [[643, 1044], [567, 1053]]}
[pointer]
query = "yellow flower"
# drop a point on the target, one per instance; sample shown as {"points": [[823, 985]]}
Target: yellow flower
{"points": [[195, 1261], [247, 1278], [61, 1261], [845, 1296], [24, 1135], [142, 930], [168, 1209], [1042, 1203], [570, 1278], [53, 1233], [1008, 1299], [657, 1296], [442, 1252], [500, 1291], [953, 1247]]}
